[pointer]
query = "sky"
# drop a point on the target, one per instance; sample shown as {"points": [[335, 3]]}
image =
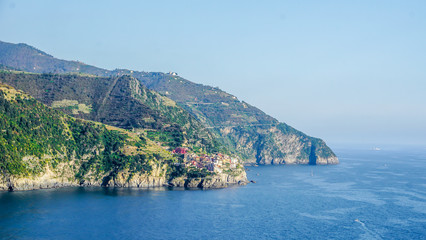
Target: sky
{"points": [[344, 71]]}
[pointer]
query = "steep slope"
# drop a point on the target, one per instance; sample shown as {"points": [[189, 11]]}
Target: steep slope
{"points": [[252, 133], [43, 148], [118, 101], [244, 129]]}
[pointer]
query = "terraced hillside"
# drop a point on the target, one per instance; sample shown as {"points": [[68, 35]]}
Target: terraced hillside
{"points": [[118, 101]]}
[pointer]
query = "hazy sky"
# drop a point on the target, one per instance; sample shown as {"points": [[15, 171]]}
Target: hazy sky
{"points": [[345, 71]]}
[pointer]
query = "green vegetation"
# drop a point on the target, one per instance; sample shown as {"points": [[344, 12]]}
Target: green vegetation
{"points": [[170, 138], [118, 101], [33, 137], [179, 171]]}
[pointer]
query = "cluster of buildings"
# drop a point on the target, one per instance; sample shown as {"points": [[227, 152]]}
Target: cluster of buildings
{"points": [[214, 163]]}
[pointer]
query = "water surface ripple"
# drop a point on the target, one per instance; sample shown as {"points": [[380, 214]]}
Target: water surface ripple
{"points": [[370, 195]]}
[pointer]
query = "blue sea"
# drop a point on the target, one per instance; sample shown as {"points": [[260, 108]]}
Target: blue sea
{"points": [[370, 195]]}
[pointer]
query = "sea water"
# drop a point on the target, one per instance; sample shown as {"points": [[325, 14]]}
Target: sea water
{"points": [[370, 195]]}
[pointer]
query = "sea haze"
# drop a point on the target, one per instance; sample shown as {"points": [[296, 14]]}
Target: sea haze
{"points": [[371, 194]]}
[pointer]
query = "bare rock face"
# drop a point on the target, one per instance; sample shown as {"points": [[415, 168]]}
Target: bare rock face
{"points": [[219, 180], [50, 179], [134, 180], [46, 180], [3, 184], [177, 182], [57, 179], [222, 180], [193, 182], [279, 144], [61, 176], [324, 161]]}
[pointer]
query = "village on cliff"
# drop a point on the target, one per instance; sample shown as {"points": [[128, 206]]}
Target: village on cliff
{"points": [[216, 163]]}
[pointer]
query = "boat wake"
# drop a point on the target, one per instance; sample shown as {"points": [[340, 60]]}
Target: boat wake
{"points": [[370, 234]]}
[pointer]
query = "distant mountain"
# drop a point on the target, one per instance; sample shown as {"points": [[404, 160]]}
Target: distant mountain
{"points": [[41, 147], [244, 129], [24, 57]]}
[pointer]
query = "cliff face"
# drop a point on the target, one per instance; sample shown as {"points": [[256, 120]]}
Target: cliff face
{"points": [[219, 180], [43, 148], [62, 176], [276, 145], [157, 178], [244, 129]]}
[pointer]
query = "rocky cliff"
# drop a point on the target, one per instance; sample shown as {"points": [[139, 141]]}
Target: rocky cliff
{"points": [[219, 180]]}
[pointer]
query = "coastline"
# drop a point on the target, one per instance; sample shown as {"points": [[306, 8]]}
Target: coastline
{"points": [[10, 183]]}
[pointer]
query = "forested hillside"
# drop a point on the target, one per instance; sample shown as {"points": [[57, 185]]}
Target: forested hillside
{"points": [[119, 101]]}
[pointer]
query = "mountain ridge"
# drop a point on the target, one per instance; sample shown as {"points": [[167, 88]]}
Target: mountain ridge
{"points": [[242, 128]]}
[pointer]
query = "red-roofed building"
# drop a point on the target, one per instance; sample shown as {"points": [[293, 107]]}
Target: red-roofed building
{"points": [[180, 150]]}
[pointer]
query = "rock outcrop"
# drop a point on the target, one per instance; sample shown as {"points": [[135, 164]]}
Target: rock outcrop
{"points": [[62, 176], [50, 179], [219, 180], [279, 144]]}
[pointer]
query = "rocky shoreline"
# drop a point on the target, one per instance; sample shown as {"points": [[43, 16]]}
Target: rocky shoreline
{"points": [[123, 181], [216, 181]]}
